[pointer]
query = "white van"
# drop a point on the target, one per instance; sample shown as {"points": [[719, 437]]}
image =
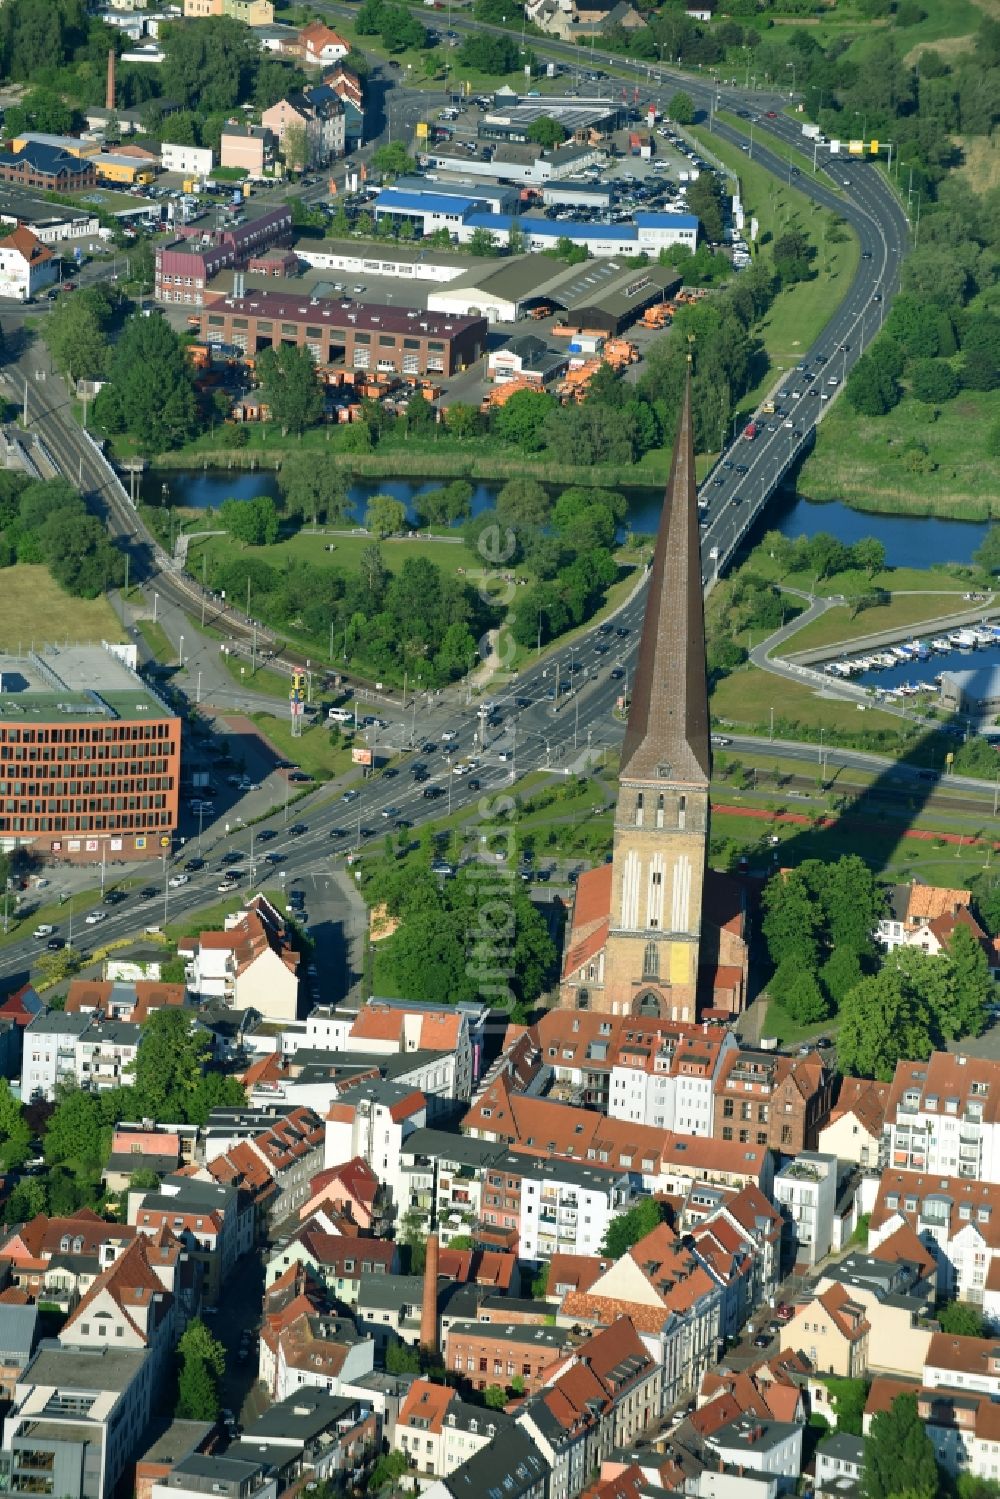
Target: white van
{"points": [[340, 715]]}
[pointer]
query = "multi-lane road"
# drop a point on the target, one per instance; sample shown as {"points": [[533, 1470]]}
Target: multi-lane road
{"points": [[557, 715]]}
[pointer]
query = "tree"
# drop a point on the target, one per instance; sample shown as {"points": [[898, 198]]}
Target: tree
{"points": [[841, 973], [462, 420], [482, 243], [384, 516], [797, 991], [15, 1134], [792, 254], [393, 160], [681, 108], [880, 1023], [401, 1359], [873, 385], [290, 388], [169, 1062], [75, 1135], [489, 53], [546, 132], [523, 503], [971, 984], [848, 1398], [899, 1455], [933, 380], [197, 1393], [791, 921], [150, 391], [960, 1319], [390, 1467], [628, 1228], [869, 553], [25, 1202], [705, 198], [74, 332], [494, 1398], [987, 554], [209, 67], [540, 1284], [295, 147], [314, 485], [522, 418], [253, 522]]}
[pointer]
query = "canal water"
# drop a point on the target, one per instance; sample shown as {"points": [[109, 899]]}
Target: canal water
{"points": [[910, 541]]}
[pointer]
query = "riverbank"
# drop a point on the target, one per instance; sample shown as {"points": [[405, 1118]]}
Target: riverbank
{"points": [[266, 450], [917, 460]]}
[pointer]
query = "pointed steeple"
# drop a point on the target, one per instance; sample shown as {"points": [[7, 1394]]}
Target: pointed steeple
{"points": [[667, 737]]}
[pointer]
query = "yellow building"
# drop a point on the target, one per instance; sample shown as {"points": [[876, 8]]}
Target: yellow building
{"points": [[70, 143], [126, 170], [250, 12]]}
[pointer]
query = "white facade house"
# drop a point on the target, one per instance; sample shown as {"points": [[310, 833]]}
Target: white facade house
{"points": [[193, 161], [372, 1121], [26, 265], [805, 1192], [76, 1048], [771, 1448], [958, 1220], [566, 1207], [674, 1091], [943, 1117], [251, 965]]}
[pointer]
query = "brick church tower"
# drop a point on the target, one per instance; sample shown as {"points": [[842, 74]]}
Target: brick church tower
{"points": [[650, 961]]}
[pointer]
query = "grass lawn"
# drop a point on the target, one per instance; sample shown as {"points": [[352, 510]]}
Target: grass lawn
{"points": [[156, 639], [312, 752], [868, 462], [274, 683], [745, 699], [34, 609], [452, 557], [837, 628], [800, 313]]}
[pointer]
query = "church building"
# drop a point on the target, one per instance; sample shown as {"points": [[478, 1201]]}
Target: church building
{"points": [[655, 932]]}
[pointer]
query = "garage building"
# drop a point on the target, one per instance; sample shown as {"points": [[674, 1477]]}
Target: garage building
{"points": [[605, 294]]}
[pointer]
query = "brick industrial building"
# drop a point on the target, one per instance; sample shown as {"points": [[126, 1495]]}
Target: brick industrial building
{"points": [[184, 268], [89, 756], [358, 336]]}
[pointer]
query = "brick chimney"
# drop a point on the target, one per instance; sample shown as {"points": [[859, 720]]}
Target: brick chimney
{"points": [[428, 1312], [109, 98]]}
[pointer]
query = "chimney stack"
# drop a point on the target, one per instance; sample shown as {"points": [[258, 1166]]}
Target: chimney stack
{"points": [[109, 99], [429, 1311]]}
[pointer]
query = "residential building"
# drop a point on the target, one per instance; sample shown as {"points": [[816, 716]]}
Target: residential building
{"points": [[201, 1475], [347, 86], [127, 1306], [438, 1432], [250, 12], [352, 1190], [305, 1346], [19, 1334], [319, 115], [855, 1130], [563, 1207], [805, 1191], [388, 1307], [93, 1054], [390, 1027], [339, 1261], [442, 1178], [359, 336], [943, 1117], [26, 265], [251, 965], [130, 1000], [312, 1435], [898, 1301], [321, 46], [840, 1459], [831, 1329], [772, 1448], [728, 1163], [246, 147], [964, 1427], [202, 1215], [287, 1143], [674, 1299], [511, 1464], [764, 1098], [971, 1364], [372, 1120], [95, 753], [913, 909], [957, 1219]]}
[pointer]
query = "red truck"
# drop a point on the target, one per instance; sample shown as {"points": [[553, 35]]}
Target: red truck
{"points": [[750, 431]]}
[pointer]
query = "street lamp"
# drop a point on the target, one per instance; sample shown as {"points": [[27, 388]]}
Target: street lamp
{"points": [[792, 66]]}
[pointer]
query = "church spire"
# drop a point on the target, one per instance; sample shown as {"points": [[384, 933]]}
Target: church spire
{"points": [[667, 734]]}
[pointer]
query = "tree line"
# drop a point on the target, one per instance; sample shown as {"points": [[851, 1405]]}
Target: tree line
{"points": [[47, 522]]}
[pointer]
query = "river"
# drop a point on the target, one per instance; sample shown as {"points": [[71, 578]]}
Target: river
{"points": [[910, 541]]}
